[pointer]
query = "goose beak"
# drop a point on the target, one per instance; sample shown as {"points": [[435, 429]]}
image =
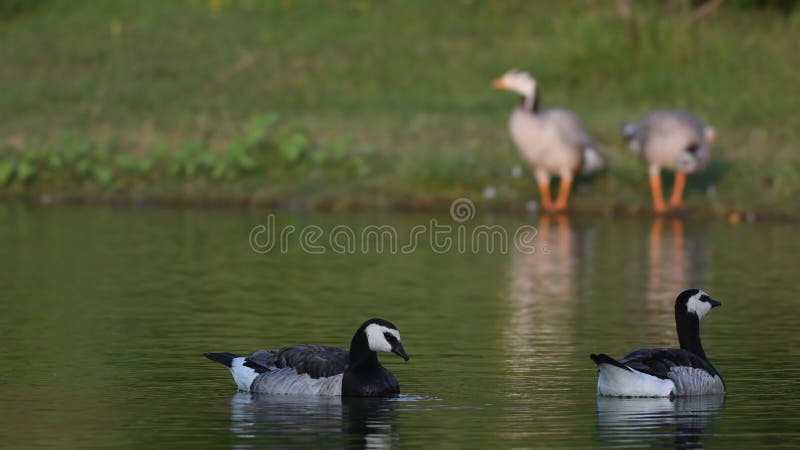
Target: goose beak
{"points": [[711, 134], [398, 350], [713, 303], [498, 84]]}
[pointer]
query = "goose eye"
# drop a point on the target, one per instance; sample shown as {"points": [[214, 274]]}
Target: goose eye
{"points": [[390, 338]]}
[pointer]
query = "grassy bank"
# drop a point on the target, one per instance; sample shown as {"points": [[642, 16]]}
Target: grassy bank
{"points": [[380, 103]]}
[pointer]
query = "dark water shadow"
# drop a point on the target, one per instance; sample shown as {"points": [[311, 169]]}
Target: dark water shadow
{"points": [[656, 422], [312, 422]]}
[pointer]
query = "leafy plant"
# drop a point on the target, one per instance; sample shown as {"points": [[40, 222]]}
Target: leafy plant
{"points": [[264, 148], [6, 171]]}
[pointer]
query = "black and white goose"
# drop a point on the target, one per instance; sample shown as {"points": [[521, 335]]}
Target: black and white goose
{"points": [[320, 370], [666, 372]]}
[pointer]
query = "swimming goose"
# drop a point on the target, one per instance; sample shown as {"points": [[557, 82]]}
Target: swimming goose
{"points": [[553, 142], [666, 372], [319, 370], [676, 140]]}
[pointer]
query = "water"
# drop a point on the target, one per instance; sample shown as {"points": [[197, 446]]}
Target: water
{"points": [[105, 314]]}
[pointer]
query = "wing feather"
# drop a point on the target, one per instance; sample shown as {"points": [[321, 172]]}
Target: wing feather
{"points": [[659, 361], [315, 360], [569, 127]]}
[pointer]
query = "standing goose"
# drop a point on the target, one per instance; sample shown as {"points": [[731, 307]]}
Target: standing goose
{"points": [[666, 372], [319, 370], [676, 140], [553, 142]]}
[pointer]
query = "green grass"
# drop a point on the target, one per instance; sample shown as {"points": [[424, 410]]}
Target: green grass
{"points": [[408, 80]]}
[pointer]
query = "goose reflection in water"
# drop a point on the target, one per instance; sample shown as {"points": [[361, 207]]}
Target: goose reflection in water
{"points": [[542, 290], [667, 262], [543, 293], [673, 263], [656, 422], [305, 421]]}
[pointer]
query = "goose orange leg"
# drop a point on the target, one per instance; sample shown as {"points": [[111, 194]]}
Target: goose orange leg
{"points": [[543, 180], [544, 192], [563, 194], [655, 187], [676, 200]]}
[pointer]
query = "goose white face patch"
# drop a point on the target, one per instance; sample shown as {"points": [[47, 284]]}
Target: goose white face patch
{"points": [[377, 341], [520, 82], [697, 306]]}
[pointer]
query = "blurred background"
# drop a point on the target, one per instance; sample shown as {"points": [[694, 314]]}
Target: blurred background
{"points": [[360, 113], [363, 104]]}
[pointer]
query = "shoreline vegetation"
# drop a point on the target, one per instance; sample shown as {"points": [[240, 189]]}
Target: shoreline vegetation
{"points": [[372, 113]]}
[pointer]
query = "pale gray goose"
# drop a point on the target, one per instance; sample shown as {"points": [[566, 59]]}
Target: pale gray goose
{"points": [[320, 370], [666, 372], [676, 140], [552, 142]]}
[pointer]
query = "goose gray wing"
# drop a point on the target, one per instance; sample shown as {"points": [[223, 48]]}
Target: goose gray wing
{"points": [[691, 121], [569, 127], [660, 362], [666, 125], [315, 360]]}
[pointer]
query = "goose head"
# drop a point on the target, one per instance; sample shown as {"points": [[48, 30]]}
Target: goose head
{"points": [[383, 336], [695, 301], [517, 81]]}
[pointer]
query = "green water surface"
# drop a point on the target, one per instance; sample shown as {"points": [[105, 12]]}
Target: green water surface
{"points": [[105, 314]]}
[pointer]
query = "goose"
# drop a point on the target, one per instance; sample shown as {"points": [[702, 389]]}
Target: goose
{"points": [[553, 142], [666, 372], [676, 140], [320, 370]]}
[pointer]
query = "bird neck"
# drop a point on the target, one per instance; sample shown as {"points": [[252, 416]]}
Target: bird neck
{"points": [[361, 356], [688, 326], [530, 101]]}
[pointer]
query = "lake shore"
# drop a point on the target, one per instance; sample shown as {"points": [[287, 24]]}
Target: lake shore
{"points": [[355, 202]]}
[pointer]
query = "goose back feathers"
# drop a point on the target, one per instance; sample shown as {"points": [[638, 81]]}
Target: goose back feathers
{"points": [[677, 140]]}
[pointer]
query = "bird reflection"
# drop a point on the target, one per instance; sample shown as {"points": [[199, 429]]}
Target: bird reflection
{"points": [[673, 263], [542, 295], [656, 422], [304, 421], [549, 270], [667, 262]]}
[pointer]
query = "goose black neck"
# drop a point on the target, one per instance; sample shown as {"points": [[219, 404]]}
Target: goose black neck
{"points": [[530, 103], [361, 357], [688, 326]]}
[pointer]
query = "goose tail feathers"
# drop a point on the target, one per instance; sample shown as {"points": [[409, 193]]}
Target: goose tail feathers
{"points": [[223, 358], [618, 380], [602, 358], [243, 370], [593, 159]]}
